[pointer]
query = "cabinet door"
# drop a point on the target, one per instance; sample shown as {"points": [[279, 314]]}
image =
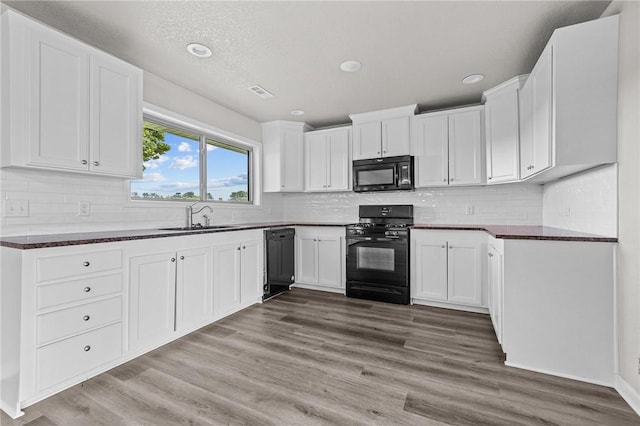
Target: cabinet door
{"points": [[339, 160], [526, 129], [542, 98], [330, 261], [251, 274], [315, 154], [226, 278], [465, 272], [116, 117], [429, 260], [306, 257], [432, 142], [465, 148], [194, 288], [152, 281], [494, 273], [367, 140], [292, 160], [396, 136], [58, 101], [502, 137]]}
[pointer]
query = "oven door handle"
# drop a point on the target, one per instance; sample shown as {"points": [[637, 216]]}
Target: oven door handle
{"points": [[383, 239]]}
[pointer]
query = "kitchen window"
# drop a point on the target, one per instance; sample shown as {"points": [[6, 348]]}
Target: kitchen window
{"points": [[180, 164]]}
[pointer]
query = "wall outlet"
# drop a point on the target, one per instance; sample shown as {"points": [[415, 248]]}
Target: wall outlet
{"points": [[84, 208], [469, 209], [16, 208]]}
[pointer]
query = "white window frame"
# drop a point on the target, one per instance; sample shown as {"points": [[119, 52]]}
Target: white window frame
{"points": [[170, 118]]}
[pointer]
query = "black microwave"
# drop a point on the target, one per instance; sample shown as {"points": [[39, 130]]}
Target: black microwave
{"points": [[383, 174]]}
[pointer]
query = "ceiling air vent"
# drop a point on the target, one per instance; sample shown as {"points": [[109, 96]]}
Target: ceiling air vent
{"points": [[261, 91]]}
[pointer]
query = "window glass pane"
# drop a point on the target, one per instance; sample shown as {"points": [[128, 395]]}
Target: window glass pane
{"points": [[227, 172], [171, 164]]}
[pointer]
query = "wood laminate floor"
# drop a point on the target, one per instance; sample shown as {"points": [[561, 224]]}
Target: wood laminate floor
{"points": [[308, 357]]}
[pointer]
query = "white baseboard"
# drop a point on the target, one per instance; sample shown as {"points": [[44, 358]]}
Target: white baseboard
{"points": [[476, 309], [628, 393], [12, 412], [608, 384]]}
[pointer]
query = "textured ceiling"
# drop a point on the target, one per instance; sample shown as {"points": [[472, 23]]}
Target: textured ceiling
{"points": [[412, 52]]}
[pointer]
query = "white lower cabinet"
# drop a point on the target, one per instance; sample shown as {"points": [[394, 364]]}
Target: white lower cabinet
{"points": [[168, 292], [448, 268], [320, 257], [238, 272], [495, 284]]}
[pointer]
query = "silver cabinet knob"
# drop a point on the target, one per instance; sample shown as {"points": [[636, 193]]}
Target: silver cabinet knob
{"points": [[87, 289], [238, 248], [451, 179], [85, 264], [244, 247], [173, 259], [490, 254], [96, 163], [450, 247], [87, 348], [489, 178], [444, 180], [84, 162], [86, 318], [181, 257], [442, 246]]}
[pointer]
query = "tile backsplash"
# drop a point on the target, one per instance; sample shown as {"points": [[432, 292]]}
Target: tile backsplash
{"points": [[512, 204], [585, 202], [53, 199]]}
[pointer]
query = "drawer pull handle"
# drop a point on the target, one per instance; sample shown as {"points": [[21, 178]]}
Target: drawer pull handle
{"points": [[87, 348], [87, 289], [86, 318], [85, 264]]}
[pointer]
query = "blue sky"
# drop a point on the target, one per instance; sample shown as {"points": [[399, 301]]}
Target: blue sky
{"points": [[178, 170]]}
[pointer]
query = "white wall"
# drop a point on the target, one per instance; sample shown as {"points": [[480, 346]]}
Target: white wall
{"points": [[628, 252], [585, 202], [515, 204]]}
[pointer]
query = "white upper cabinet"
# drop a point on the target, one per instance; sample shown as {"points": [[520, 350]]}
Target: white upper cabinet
{"points": [[283, 156], [502, 131], [385, 133], [568, 105], [70, 106], [327, 159], [448, 146]]}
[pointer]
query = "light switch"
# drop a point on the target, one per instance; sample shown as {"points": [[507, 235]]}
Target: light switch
{"points": [[84, 208]]}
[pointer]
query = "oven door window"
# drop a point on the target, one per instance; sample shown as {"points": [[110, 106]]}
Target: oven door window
{"points": [[375, 176], [376, 258]]}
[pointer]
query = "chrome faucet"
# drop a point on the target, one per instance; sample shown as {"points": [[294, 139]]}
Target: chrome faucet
{"points": [[190, 213]]}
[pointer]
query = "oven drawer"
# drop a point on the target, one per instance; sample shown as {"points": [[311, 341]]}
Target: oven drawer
{"points": [[51, 295], [68, 358], [67, 322]]}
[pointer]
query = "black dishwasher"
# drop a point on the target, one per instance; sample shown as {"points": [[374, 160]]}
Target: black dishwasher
{"points": [[279, 261]]}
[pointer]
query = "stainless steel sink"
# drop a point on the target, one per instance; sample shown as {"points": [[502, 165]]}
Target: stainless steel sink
{"points": [[197, 228]]}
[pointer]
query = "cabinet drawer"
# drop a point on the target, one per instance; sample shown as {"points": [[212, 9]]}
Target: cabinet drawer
{"points": [[66, 322], [64, 360], [55, 267], [75, 291]]}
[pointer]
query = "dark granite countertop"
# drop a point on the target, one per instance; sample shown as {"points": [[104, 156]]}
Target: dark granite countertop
{"points": [[523, 232], [26, 242], [519, 232]]}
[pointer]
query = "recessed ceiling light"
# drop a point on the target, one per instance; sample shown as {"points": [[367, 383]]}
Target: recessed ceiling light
{"points": [[297, 112], [199, 50], [473, 78], [350, 66]]}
